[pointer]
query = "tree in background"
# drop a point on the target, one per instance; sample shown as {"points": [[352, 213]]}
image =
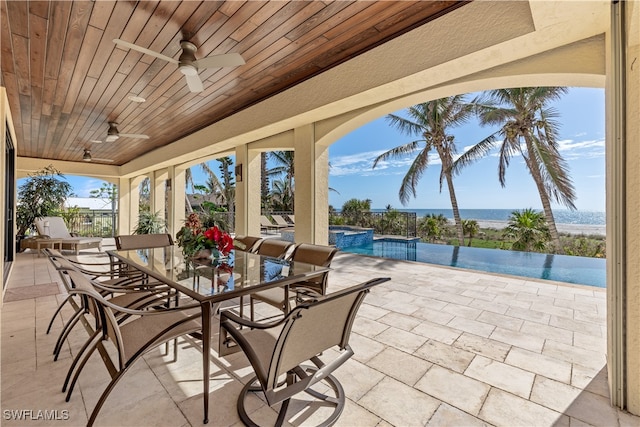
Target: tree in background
{"points": [[42, 194], [470, 227], [432, 226], [353, 210], [528, 129], [228, 185], [109, 192], [529, 230], [430, 122], [282, 197]]}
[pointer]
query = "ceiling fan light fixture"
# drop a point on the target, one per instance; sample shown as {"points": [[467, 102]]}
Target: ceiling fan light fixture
{"points": [[188, 70], [112, 138], [136, 98], [86, 156]]}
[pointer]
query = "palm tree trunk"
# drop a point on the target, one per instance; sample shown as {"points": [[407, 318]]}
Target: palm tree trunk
{"points": [[454, 207], [544, 199]]}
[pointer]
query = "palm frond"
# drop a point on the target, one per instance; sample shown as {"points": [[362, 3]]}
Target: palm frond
{"points": [[398, 151], [473, 154], [412, 177]]}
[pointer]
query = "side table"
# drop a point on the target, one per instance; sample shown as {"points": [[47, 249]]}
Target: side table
{"points": [[38, 243]]}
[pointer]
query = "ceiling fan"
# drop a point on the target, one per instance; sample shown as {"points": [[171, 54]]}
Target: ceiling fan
{"points": [[113, 133], [86, 157], [188, 64]]}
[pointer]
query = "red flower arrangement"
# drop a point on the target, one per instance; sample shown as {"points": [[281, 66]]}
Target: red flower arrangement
{"points": [[219, 240], [194, 239]]}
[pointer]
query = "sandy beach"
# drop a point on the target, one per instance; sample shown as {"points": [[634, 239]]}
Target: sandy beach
{"points": [[586, 229]]}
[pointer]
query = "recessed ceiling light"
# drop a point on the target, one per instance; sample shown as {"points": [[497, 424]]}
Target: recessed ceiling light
{"points": [[136, 98]]}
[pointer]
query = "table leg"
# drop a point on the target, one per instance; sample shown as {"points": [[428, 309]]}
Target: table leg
{"points": [[206, 354]]}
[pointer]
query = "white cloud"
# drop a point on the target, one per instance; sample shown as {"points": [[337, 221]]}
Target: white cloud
{"points": [[570, 145], [362, 164]]}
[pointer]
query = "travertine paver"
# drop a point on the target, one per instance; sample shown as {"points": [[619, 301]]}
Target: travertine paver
{"points": [[445, 355], [540, 364], [435, 346], [399, 404], [447, 385], [400, 365], [501, 375], [505, 409], [484, 346], [518, 339]]}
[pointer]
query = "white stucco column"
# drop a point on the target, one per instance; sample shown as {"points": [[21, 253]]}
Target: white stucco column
{"points": [[247, 191], [124, 207], [134, 202], [158, 192], [176, 199], [631, 46], [311, 164]]}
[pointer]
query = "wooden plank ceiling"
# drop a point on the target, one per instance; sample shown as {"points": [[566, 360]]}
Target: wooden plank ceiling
{"points": [[66, 79]]}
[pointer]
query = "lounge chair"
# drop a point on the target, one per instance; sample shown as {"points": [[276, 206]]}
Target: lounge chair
{"points": [[54, 227], [266, 224], [305, 335], [280, 221]]}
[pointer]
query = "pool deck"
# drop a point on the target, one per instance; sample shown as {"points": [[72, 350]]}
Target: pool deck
{"points": [[434, 346]]}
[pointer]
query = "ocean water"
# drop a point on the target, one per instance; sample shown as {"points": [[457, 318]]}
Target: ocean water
{"points": [[561, 216]]}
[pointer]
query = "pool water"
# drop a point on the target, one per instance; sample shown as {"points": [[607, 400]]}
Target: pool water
{"points": [[563, 268]]}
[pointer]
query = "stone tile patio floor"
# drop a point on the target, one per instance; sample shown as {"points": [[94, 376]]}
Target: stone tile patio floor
{"points": [[434, 346]]}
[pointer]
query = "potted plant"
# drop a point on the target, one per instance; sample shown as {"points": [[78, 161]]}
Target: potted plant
{"points": [[150, 223], [42, 194]]}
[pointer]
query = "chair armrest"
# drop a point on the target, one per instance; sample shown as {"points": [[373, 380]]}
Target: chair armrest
{"points": [[227, 315], [133, 312]]}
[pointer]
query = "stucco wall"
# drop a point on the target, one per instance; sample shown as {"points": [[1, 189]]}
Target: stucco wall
{"points": [[633, 204]]}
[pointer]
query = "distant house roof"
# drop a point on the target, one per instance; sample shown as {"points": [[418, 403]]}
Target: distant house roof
{"points": [[92, 203], [197, 199]]}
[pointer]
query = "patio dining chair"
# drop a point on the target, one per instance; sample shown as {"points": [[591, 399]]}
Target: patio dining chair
{"points": [[247, 243], [281, 298], [143, 331], [274, 248], [135, 295], [284, 348], [141, 241]]}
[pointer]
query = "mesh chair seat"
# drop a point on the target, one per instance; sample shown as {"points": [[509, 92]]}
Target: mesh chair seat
{"points": [[144, 331], [283, 347]]}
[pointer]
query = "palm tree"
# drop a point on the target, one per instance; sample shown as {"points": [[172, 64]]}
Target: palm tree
{"points": [[471, 228], [527, 128], [284, 165], [529, 229], [430, 121], [212, 182]]}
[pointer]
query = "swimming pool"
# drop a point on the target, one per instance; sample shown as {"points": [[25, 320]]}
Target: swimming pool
{"points": [[563, 268]]}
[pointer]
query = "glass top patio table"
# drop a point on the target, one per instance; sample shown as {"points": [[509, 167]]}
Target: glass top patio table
{"points": [[212, 281], [216, 280]]}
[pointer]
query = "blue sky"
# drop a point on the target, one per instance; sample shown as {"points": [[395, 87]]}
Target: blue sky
{"points": [[581, 142]]}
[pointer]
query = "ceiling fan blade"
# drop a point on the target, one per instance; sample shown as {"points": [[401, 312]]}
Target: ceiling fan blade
{"points": [[95, 159], [144, 50], [194, 83], [217, 61], [134, 135]]}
